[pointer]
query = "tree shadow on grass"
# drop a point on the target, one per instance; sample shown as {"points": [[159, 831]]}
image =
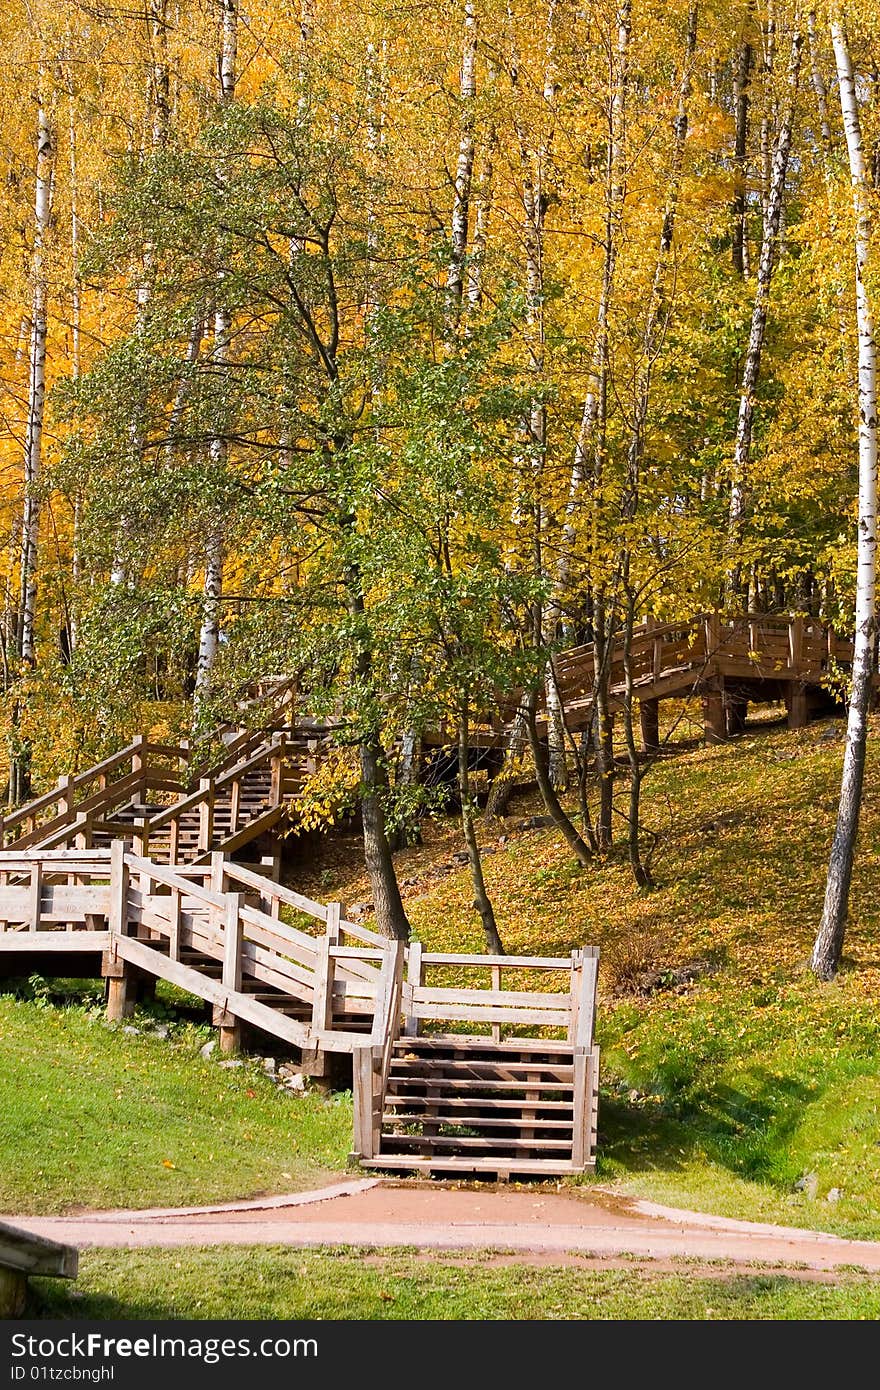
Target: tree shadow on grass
{"points": [[748, 1132], [51, 1298]]}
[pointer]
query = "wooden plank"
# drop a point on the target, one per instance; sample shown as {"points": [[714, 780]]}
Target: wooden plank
{"points": [[550, 1018], [232, 941], [242, 1005], [414, 980], [54, 942], [322, 1007], [364, 1131], [486, 997], [35, 905], [505, 962], [30, 1254], [465, 1163]]}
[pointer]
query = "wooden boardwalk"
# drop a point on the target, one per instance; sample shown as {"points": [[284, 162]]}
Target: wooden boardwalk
{"points": [[482, 1097], [128, 870]]}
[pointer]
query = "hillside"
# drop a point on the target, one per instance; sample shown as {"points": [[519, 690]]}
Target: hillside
{"points": [[729, 1089]]}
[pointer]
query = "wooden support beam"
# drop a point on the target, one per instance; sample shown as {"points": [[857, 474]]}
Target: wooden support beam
{"points": [[796, 705], [649, 718], [322, 1003], [714, 722], [206, 814], [736, 707]]}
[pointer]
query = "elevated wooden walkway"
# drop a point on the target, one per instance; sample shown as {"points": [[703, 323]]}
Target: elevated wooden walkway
{"points": [[726, 661], [483, 1099]]}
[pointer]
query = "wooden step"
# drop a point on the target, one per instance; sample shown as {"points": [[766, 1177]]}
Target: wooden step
{"points": [[484, 1102], [444, 1141], [528, 1167], [519, 1121], [454, 1083]]}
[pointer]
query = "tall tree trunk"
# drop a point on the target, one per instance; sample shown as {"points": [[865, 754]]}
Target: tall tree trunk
{"points": [[33, 448], [391, 919], [561, 821], [828, 172], [741, 116], [752, 367], [482, 901], [829, 941], [465, 166], [209, 634]]}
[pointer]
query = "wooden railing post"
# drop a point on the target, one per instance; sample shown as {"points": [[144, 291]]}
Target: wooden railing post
{"points": [[141, 837], [36, 909], [115, 970], [218, 872], [279, 749], [65, 800], [233, 941], [495, 973], [137, 757], [713, 639], [325, 969], [234, 805], [173, 840], [796, 643], [364, 1130], [414, 980], [206, 814]]}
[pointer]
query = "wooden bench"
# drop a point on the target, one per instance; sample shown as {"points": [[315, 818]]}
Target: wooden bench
{"points": [[23, 1254]]}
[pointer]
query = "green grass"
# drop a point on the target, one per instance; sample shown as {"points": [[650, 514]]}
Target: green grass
{"points": [[283, 1283], [93, 1117]]}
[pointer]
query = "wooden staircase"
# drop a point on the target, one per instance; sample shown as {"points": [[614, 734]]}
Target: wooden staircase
{"points": [[470, 1102], [478, 1105]]}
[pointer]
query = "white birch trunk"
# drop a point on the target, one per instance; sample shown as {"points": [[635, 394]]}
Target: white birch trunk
{"points": [[75, 358], [209, 632], [33, 450], [829, 941], [751, 370], [482, 212], [465, 165]]}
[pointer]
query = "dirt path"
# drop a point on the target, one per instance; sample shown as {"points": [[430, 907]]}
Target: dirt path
{"points": [[526, 1222]]}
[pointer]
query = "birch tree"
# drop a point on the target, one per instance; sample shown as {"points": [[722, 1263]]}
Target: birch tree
{"points": [[33, 447], [828, 946], [752, 366], [209, 632]]}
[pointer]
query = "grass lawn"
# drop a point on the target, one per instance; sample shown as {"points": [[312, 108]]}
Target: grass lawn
{"points": [[281, 1283], [92, 1116]]}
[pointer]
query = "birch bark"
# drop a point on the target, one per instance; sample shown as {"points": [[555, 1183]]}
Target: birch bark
{"points": [[212, 596], [828, 946], [752, 367], [33, 449]]}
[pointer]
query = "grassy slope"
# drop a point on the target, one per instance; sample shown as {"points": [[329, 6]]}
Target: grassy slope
{"points": [[722, 1096], [91, 1116], [279, 1283]]}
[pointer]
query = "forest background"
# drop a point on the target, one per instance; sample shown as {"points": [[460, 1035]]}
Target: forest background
{"points": [[396, 347]]}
